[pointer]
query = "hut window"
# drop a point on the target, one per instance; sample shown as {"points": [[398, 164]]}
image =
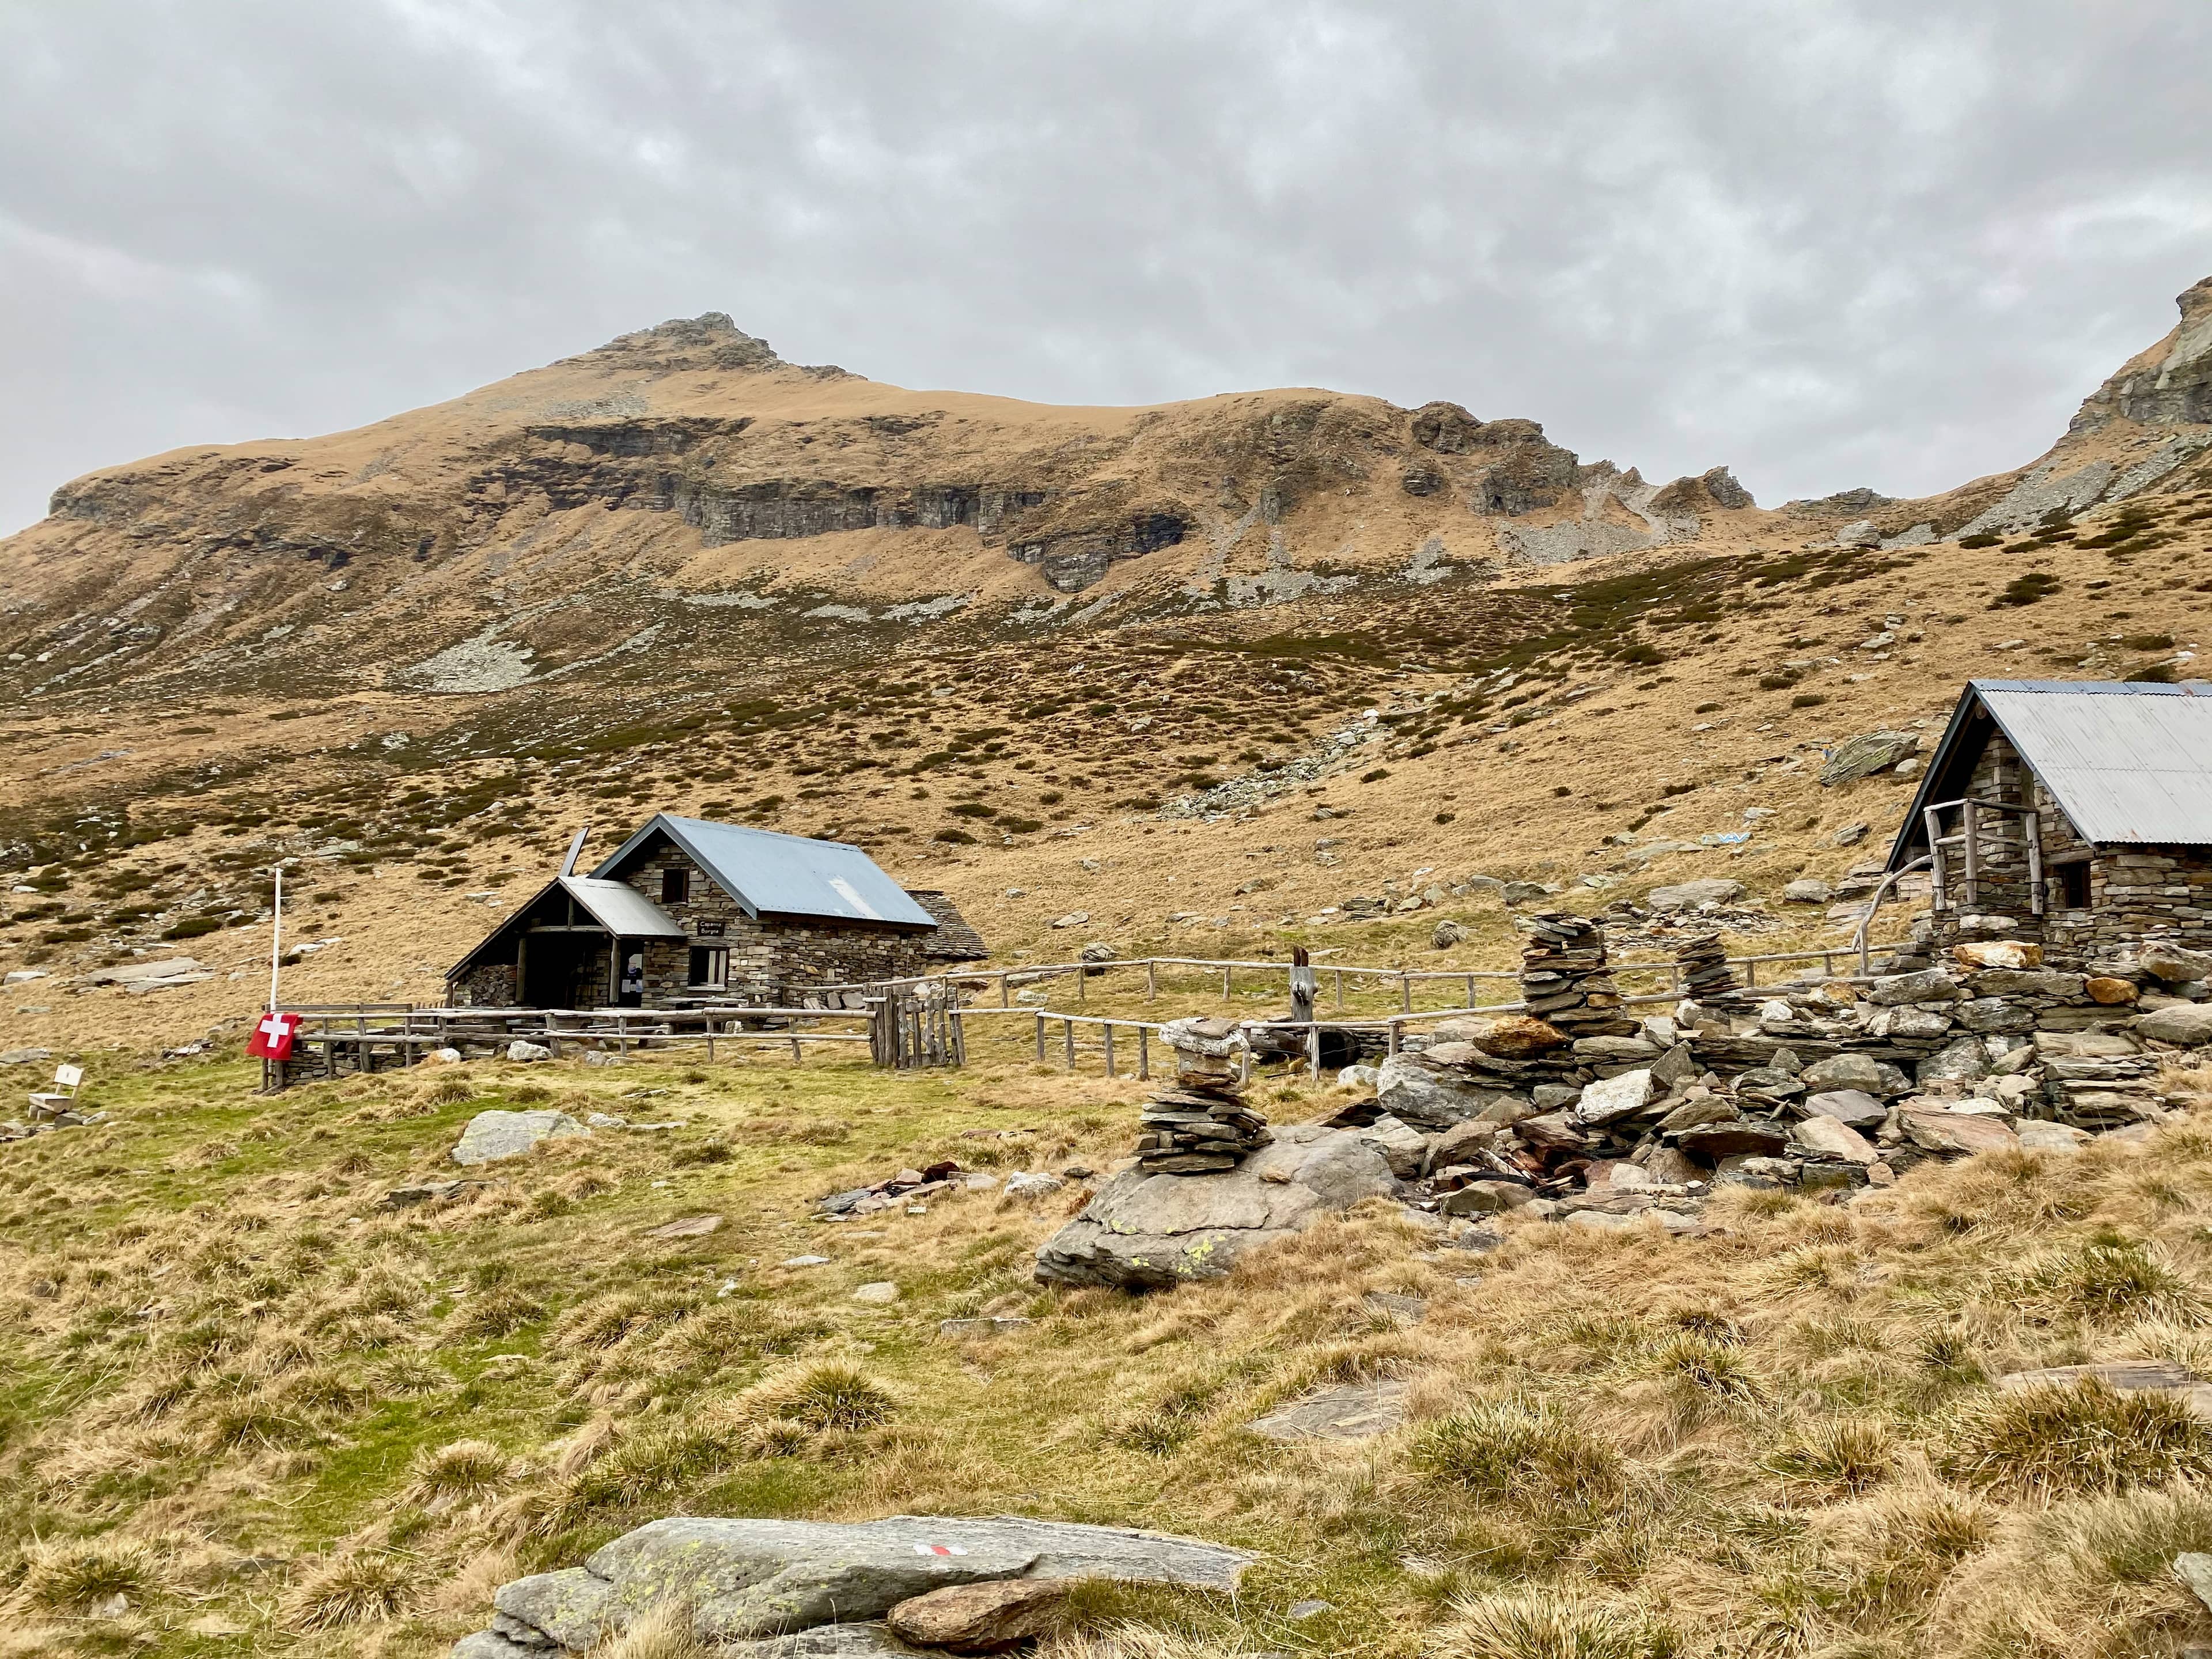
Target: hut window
{"points": [[2074, 885], [675, 885], [710, 966]]}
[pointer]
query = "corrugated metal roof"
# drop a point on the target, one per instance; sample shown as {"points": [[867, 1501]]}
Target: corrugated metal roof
{"points": [[2130, 762], [783, 875], [620, 908]]}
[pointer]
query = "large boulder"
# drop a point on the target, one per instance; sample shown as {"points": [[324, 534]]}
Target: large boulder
{"points": [[1519, 1037], [491, 1136], [1955, 1134], [745, 1579], [1868, 753], [2187, 1024], [1689, 895], [1963, 1061], [2175, 963], [1929, 985], [1847, 1070], [1856, 1108], [1415, 1092], [1145, 1231], [1610, 1099], [1829, 1137]]}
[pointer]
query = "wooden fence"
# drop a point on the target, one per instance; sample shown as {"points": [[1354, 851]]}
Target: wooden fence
{"points": [[918, 1021]]}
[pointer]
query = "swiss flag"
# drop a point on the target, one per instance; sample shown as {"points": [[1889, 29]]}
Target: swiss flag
{"points": [[272, 1037]]}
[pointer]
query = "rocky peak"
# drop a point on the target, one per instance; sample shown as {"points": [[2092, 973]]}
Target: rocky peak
{"points": [[2170, 385], [709, 340]]}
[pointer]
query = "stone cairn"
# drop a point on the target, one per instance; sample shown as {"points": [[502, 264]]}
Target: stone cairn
{"points": [[1706, 976], [1564, 980], [1200, 1123]]}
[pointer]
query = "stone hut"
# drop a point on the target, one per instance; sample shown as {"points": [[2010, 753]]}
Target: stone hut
{"points": [[2077, 814], [687, 912]]}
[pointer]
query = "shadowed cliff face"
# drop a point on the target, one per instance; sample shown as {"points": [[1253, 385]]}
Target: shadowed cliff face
{"points": [[543, 524]]}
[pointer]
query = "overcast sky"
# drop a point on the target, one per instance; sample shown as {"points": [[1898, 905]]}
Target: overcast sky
{"points": [[1830, 242]]}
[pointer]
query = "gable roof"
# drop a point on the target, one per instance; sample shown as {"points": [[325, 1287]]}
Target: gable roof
{"points": [[773, 874], [615, 905], [2130, 762]]}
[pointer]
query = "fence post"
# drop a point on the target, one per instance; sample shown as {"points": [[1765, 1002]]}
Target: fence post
{"points": [[1080, 976], [1393, 1035], [1313, 1051], [1151, 978], [1067, 1030], [1143, 1053], [1040, 1039], [1406, 992], [1339, 990], [1006, 997], [1109, 1030], [1225, 971]]}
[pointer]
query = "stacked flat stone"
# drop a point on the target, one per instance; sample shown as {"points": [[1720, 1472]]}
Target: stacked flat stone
{"points": [[1198, 1123], [1706, 976], [1564, 980]]}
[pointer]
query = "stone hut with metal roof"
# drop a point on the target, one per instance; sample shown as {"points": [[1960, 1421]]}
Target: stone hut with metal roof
{"points": [[687, 912], [2077, 814]]}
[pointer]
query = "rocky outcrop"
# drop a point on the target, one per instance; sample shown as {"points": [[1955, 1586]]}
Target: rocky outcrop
{"points": [[2170, 385], [745, 1579], [491, 1136], [1145, 1231]]}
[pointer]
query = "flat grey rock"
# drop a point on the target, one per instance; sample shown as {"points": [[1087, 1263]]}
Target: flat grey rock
{"points": [[1417, 1093], [2188, 1024], [490, 1645], [1689, 895], [749, 1579], [1856, 1106], [823, 1640], [1357, 1410], [1146, 1231], [491, 1136]]}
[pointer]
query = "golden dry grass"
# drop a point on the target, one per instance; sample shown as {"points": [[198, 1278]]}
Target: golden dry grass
{"points": [[1781, 1437]]}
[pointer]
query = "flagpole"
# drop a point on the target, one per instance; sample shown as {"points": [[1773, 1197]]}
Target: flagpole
{"points": [[276, 937]]}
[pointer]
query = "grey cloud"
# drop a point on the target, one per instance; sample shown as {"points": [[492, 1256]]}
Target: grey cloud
{"points": [[1829, 243]]}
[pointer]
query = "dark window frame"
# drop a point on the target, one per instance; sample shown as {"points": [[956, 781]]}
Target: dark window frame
{"points": [[710, 968], [675, 884], [2073, 879]]}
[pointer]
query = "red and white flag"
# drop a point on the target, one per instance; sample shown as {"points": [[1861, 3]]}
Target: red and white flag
{"points": [[272, 1037]]}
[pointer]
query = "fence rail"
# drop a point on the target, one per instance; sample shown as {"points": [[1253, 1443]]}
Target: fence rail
{"points": [[919, 1020]]}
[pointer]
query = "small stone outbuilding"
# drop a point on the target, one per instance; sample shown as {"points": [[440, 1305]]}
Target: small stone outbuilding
{"points": [[687, 912], [2077, 814]]}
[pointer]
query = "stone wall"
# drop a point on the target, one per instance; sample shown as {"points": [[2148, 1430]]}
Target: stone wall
{"points": [[773, 960], [488, 985], [2136, 893]]}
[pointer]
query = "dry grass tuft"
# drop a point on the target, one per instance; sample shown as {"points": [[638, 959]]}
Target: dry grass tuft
{"points": [[363, 1587], [831, 1395], [1841, 1454], [462, 1471], [1510, 1448], [661, 1633], [2081, 1439], [1545, 1624], [75, 1575]]}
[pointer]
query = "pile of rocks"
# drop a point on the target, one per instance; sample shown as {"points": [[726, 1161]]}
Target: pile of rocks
{"points": [[1706, 976], [906, 1186], [1825, 1086], [1563, 976], [1200, 1123]]}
